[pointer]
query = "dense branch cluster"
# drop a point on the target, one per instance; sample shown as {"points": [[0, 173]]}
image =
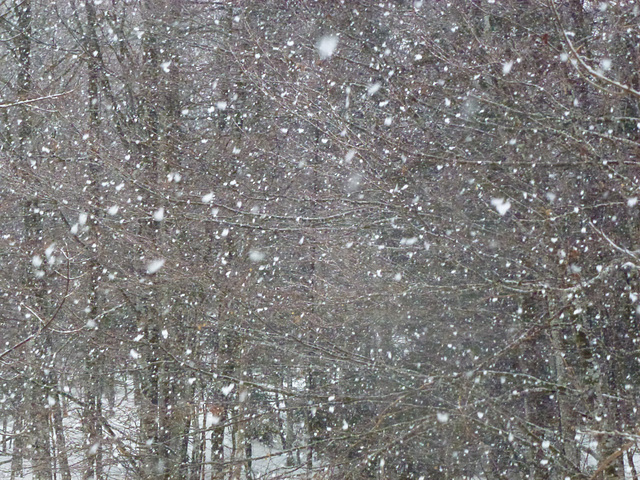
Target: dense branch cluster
{"points": [[330, 240]]}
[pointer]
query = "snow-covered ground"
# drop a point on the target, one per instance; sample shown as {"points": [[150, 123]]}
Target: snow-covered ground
{"points": [[268, 461]]}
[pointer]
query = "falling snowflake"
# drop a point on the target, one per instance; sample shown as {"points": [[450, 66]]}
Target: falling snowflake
{"points": [[158, 215], [373, 88], [155, 265], [349, 156], [36, 261], [256, 256], [326, 46], [502, 205], [442, 417]]}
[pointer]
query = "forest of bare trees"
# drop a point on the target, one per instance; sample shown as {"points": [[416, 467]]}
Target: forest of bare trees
{"points": [[305, 239]]}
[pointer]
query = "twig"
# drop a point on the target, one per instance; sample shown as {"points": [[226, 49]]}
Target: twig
{"points": [[33, 100]]}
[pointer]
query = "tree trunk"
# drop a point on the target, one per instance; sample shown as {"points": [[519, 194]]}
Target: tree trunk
{"points": [[17, 455], [62, 456]]}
